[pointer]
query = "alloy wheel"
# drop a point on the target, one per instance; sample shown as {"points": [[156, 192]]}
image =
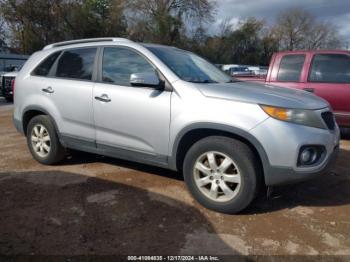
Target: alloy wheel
{"points": [[217, 176], [41, 141]]}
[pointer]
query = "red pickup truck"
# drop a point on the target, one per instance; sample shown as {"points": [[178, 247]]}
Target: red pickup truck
{"points": [[325, 73]]}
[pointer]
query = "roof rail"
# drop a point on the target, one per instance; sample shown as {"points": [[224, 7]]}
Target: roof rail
{"points": [[87, 40]]}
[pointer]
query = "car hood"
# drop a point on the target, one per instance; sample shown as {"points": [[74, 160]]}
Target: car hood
{"points": [[263, 94]]}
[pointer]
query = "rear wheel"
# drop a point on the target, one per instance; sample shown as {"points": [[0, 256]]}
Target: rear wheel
{"points": [[221, 173], [43, 142]]}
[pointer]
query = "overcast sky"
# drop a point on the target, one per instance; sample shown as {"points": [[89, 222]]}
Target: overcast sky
{"points": [[333, 11]]}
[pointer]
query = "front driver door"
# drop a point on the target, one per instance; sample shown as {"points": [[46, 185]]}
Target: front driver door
{"points": [[130, 121]]}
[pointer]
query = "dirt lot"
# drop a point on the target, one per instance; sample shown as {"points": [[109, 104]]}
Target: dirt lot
{"points": [[97, 205]]}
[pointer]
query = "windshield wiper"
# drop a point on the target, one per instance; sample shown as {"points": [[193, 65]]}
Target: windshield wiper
{"points": [[232, 81], [203, 81]]}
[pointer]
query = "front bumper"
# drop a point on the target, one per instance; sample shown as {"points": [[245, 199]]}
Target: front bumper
{"points": [[282, 142], [282, 175]]}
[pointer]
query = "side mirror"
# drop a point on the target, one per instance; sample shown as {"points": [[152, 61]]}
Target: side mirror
{"points": [[149, 79]]}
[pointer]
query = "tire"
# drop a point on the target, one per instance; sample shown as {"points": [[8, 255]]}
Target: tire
{"points": [[241, 175], [56, 151]]}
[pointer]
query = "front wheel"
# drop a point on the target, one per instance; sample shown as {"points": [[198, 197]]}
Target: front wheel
{"points": [[221, 173]]}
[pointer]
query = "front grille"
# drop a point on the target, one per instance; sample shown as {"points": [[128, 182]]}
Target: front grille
{"points": [[328, 118]]}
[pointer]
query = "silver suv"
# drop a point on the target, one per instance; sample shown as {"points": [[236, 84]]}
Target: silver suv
{"points": [[167, 107]]}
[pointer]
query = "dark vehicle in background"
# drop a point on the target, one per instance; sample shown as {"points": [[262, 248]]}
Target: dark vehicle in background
{"points": [[240, 71], [324, 73], [7, 85], [9, 65]]}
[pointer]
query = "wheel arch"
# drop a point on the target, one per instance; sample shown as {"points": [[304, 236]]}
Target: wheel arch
{"points": [[193, 133], [32, 111]]}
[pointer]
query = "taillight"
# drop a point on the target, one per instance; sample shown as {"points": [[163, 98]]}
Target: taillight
{"points": [[13, 86]]}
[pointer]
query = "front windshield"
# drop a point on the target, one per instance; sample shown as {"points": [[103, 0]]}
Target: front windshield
{"points": [[188, 66]]}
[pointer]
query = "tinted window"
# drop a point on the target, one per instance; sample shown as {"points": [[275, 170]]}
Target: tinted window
{"points": [[330, 68], [44, 67], [290, 68], [119, 63], [77, 63]]}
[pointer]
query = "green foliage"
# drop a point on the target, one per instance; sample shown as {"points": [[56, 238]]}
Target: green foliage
{"points": [[35, 24], [249, 43], [182, 23], [164, 21]]}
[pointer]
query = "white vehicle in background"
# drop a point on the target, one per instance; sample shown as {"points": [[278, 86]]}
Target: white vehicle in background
{"points": [[259, 71], [228, 67], [10, 64], [237, 70]]}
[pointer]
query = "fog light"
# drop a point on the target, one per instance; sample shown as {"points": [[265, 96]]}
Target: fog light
{"points": [[310, 155], [305, 156]]}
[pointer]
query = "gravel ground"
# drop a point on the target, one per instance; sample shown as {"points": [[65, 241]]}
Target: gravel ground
{"points": [[97, 205]]}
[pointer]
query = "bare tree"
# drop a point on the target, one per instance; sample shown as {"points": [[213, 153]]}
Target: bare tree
{"points": [[298, 29], [323, 36]]}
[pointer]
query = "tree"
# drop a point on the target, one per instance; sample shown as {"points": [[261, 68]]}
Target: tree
{"points": [[93, 18], [165, 20], [248, 42], [35, 24], [26, 26], [32, 23], [3, 35], [298, 29]]}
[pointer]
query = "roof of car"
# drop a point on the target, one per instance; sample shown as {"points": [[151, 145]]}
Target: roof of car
{"points": [[87, 40], [332, 51]]}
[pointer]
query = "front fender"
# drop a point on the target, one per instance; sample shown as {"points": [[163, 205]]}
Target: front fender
{"points": [[244, 135]]}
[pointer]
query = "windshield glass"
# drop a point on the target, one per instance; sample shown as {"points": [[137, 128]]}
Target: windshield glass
{"points": [[188, 66]]}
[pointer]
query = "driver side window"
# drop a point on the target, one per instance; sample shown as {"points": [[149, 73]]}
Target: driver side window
{"points": [[119, 63]]}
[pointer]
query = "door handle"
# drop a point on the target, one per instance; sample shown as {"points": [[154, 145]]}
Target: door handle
{"points": [[307, 89], [103, 98], [49, 90]]}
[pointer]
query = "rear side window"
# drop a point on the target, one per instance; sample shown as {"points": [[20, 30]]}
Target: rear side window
{"points": [[76, 64], [330, 68], [290, 68], [44, 67]]}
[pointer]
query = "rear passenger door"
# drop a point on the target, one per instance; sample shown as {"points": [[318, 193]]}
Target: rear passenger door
{"points": [[329, 78], [70, 90]]}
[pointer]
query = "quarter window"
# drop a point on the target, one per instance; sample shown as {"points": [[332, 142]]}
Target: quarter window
{"points": [[44, 67], [290, 68], [119, 63], [330, 68], [76, 64]]}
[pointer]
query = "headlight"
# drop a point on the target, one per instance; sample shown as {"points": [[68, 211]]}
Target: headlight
{"points": [[297, 116]]}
